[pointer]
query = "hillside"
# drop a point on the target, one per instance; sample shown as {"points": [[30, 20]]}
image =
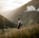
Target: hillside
{"points": [[34, 2], [28, 17], [4, 22]]}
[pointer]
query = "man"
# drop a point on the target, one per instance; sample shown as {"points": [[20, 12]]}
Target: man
{"points": [[19, 23]]}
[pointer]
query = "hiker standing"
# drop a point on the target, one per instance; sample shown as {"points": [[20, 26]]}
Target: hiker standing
{"points": [[19, 23]]}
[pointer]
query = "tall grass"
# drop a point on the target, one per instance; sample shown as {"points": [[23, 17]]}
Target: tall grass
{"points": [[25, 32]]}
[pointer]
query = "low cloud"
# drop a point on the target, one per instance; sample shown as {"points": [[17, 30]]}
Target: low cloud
{"points": [[31, 8]]}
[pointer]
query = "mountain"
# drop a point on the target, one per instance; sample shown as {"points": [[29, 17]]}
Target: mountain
{"points": [[30, 17], [34, 2], [4, 22]]}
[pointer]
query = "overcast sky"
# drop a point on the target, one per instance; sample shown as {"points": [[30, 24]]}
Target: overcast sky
{"points": [[11, 4]]}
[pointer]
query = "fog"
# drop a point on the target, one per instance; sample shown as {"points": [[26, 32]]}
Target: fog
{"points": [[31, 8], [7, 6]]}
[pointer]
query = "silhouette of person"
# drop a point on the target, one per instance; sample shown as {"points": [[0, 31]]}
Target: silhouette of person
{"points": [[19, 23]]}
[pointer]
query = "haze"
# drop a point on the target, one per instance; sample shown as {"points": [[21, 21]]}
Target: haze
{"points": [[8, 5]]}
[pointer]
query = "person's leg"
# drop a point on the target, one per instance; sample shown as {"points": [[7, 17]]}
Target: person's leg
{"points": [[19, 26]]}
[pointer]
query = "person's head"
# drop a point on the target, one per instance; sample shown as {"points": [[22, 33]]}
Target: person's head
{"points": [[18, 18]]}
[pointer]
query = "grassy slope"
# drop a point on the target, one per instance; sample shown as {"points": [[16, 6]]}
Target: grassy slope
{"points": [[25, 32]]}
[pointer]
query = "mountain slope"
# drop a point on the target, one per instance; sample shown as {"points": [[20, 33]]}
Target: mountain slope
{"points": [[5, 22], [34, 2], [28, 17]]}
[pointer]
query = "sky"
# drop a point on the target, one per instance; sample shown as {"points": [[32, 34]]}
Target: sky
{"points": [[11, 4], [6, 6]]}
